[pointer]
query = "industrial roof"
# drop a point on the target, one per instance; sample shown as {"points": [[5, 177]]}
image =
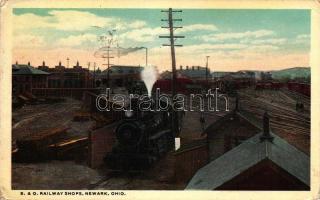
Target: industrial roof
{"points": [[195, 72], [246, 155], [26, 69], [124, 69]]}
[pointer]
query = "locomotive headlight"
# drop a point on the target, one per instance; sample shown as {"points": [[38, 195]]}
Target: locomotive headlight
{"points": [[128, 113]]}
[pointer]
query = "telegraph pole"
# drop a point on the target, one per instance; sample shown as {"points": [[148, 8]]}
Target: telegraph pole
{"points": [[94, 74], [108, 64], [68, 62], [109, 41], [207, 70], [88, 78], [172, 37]]}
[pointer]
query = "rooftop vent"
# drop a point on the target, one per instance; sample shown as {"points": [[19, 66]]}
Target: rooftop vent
{"points": [[266, 128]]}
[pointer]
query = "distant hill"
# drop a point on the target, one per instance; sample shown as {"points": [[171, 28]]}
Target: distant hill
{"points": [[291, 73]]}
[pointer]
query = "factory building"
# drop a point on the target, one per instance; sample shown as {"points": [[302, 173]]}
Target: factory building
{"points": [[62, 77], [194, 72]]}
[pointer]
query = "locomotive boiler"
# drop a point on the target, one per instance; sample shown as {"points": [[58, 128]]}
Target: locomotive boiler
{"points": [[142, 137]]}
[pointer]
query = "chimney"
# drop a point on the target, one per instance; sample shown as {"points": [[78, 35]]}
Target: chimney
{"points": [[28, 63], [181, 67], [60, 63], [192, 67], [43, 64], [266, 128], [198, 67], [16, 62], [187, 67], [77, 63]]}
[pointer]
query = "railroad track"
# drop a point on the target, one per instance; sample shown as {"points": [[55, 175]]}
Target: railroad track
{"points": [[284, 117]]}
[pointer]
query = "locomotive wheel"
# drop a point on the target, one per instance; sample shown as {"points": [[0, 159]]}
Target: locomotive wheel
{"points": [[129, 134]]}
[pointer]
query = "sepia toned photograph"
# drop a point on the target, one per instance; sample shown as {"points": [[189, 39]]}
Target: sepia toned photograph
{"points": [[108, 100]]}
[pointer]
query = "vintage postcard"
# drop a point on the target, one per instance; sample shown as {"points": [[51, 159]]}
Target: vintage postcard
{"points": [[159, 99]]}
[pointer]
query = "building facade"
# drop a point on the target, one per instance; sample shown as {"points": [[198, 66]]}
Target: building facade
{"points": [[195, 72], [26, 77], [63, 77]]}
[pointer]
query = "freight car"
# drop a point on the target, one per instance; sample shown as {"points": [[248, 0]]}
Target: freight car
{"points": [[271, 85], [165, 85], [302, 88], [142, 138]]}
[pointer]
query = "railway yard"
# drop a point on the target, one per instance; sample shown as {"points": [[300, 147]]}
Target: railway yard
{"points": [[287, 122]]}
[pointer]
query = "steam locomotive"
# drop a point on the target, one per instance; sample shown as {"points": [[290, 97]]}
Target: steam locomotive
{"points": [[142, 138]]}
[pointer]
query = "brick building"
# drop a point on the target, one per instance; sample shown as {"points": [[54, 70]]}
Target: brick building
{"points": [[62, 77], [26, 77], [194, 72], [228, 132]]}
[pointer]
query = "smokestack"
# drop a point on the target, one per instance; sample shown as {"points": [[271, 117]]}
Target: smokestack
{"points": [[180, 67], [28, 63], [198, 67], [59, 63], [266, 128], [192, 67], [187, 67], [43, 64], [16, 62]]}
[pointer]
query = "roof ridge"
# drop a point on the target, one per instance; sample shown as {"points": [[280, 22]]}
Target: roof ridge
{"points": [[239, 161]]}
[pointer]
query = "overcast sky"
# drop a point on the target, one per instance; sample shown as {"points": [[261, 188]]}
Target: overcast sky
{"points": [[234, 39]]}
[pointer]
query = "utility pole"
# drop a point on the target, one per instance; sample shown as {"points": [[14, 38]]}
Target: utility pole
{"points": [[88, 77], [207, 71], [94, 75], [108, 64], [146, 48], [109, 41], [172, 37], [68, 62]]}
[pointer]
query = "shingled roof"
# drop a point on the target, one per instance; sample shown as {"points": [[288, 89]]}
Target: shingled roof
{"points": [[248, 154]]}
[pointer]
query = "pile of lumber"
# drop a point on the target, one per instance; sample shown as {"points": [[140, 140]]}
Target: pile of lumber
{"points": [[81, 117], [42, 139], [101, 120], [50, 145]]}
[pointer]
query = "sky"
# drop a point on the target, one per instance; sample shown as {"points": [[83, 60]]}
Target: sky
{"points": [[234, 39]]}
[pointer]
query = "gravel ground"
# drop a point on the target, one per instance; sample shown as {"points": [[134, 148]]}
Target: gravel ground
{"points": [[54, 175]]}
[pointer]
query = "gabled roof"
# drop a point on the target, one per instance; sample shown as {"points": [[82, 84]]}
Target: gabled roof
{"points": [[26, 69], [246, 155], [227, 117]]}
